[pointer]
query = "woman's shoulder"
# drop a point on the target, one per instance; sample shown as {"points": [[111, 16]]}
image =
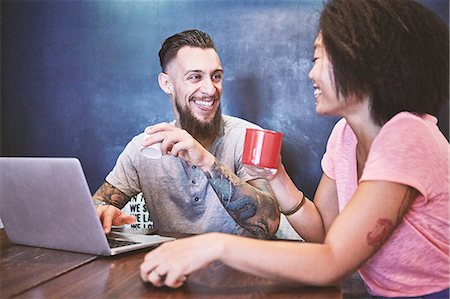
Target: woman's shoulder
{"points": [[409, 126], [408, 119], [413, 139]]}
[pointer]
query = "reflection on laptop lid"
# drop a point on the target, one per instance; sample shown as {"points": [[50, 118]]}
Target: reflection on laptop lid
{"points": [[46, 202]]}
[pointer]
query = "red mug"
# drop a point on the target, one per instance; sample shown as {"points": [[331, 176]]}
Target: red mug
{"points": [[262, 148]]}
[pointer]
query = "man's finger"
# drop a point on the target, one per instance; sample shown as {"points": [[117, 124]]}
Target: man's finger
{"points": [[108, 217], [122, 219]]}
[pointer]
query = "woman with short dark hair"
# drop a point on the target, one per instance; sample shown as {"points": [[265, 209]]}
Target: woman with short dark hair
{"points": [[382, 204]]}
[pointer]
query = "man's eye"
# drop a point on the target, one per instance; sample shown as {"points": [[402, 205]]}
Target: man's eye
{"points": [[194, 77], [216, 77]]}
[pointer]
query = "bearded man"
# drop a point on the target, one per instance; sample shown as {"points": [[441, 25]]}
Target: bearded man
{"points": [[199, 184]]}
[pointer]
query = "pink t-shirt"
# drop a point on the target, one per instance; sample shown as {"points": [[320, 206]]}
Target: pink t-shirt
{"points": [[409, 150]]}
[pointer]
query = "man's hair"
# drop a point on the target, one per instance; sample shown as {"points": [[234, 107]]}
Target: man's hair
{"points": [[191, 38], [394, 51]]}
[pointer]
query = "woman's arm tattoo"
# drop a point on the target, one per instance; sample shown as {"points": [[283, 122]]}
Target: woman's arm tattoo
{"points": [[111, 195], [254, 208], [385, 227], [380, 233]]}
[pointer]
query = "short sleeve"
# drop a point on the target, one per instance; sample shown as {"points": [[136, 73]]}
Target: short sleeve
{"points": [[409, 150], [124, 174]]}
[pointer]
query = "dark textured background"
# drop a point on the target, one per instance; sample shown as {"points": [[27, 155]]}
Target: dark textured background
{"points": [[79, 78]]}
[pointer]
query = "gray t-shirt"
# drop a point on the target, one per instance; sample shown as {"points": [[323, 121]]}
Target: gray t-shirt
{"points": [[177, 194]]}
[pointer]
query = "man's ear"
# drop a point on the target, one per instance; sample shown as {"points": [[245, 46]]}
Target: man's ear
{"points": [[165, 83]]}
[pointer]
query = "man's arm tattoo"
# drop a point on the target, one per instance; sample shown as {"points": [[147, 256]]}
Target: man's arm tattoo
{"points": [[254, 208], [111, 195]]}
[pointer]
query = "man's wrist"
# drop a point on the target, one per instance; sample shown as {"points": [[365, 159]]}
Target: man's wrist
{"points": [[208, 163], [98, 202]]}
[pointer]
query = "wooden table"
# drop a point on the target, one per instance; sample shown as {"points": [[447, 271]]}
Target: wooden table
{"points": [[29, 272]]}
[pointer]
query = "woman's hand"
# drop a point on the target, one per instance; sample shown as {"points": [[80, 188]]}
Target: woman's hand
{"points": [[171, 263], [263, 172]]}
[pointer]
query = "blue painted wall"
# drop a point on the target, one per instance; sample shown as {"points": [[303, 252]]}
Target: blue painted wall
{"points": [[79, 78]]}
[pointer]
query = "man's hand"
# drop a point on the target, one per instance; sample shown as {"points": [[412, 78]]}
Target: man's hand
{"points": [[110, 198], [110, 215], [179, 143]]}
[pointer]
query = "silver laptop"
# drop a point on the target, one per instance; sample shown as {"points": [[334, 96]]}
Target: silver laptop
{"points": [[46, 202]]}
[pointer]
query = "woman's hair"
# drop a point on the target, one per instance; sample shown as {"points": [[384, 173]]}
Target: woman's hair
{"points": [[394, 51], [191, 38]]}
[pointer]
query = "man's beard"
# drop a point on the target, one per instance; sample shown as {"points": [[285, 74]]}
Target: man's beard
{"points": [[196, 128]]}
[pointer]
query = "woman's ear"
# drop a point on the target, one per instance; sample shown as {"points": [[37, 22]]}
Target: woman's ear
{"points": [[165, 83]]}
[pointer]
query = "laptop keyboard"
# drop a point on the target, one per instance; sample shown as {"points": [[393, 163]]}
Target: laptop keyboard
{"points": [[141, 230], [114, 243]]}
